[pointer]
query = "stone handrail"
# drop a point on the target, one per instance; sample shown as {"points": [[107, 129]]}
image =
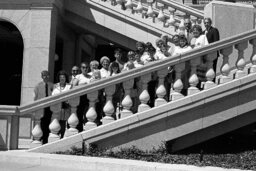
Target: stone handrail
{"points": [[7, 110], [209, 53]]}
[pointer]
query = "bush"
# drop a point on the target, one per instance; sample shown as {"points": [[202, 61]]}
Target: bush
{"points": [[244, 160]]}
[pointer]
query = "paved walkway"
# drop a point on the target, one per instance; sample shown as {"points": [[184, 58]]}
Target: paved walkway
{"points": [[5, 166], [21, 160]]}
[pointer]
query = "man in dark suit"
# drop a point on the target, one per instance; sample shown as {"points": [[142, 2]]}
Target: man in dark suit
{"points": [[212, 35], [44, 89]]}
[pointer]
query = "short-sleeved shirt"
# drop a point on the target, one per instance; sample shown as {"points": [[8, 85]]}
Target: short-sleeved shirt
{"points": [[82, 79]]}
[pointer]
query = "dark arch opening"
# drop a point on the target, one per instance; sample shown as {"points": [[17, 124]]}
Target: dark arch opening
{"points": [[11, 53]]}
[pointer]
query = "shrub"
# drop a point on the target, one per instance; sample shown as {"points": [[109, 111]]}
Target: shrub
{"points": [[244, 160]]}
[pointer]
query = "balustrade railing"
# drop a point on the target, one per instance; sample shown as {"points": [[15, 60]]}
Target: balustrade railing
{"points": [[9, 129], [158, 69], [168, 12]]}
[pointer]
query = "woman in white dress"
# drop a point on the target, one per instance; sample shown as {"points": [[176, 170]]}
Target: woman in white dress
{"points": [[60, 87], [104, 71], [199, 39]]}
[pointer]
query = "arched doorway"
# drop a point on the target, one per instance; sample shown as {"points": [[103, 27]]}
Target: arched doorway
{"points": [[11, 53]]}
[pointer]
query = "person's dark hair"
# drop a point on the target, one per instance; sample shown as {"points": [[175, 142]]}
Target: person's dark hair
{"points": [[113, 65], [182, 37], [131, 52], [117, 50], [209, 19], [62, 72], [45, 72], [198, 28], [174, 36], [140, 44]]}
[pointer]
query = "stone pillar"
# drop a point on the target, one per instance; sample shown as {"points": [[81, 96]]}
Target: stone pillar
{"points": [[127, 101], [91, 114], [225, 68], [161, 91], [253, 57], [109, 108], [55, 124], [171, 21], [39, 50], [144, 96], [178, 85], [210, 74], [240, 63], [193, 79], [73, 119], [37, 132]]}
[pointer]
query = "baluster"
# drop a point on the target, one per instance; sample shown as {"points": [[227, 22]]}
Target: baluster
{"points": [[109, 108], [150, 12], [73, 119], [161, 16], [127, 101], [129, 5], [182, 25], [210, 74], [161, 91], [193, 79], [37, 132], [139, 7], [55, 125], [178, 85], [225, 67], [144, 96], [253, 57], [171, 21], [240, 63], [91, 114]]}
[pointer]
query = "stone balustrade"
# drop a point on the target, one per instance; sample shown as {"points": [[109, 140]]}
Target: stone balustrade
{"points": [[137, 100], [168, 12]]}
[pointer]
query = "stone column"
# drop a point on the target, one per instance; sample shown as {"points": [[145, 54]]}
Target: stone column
{"points": [[55, 125], [193, 79], [171, 21], [144, 96], [240, 63], [210, 74], [127, 101], [91, 114], [253, 57], [178, 85], [161, 91], [39, 48], [225, 67], [37, 132], [109, 108], [73, 119]]}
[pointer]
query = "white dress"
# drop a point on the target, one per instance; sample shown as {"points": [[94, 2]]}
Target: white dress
{"points": [[104, 73], [82, 79], [65, 113], [178, 50], [199, 42]]}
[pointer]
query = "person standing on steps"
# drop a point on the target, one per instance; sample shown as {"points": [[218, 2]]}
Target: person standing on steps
{"points": [[212, 35], [44, 89]]}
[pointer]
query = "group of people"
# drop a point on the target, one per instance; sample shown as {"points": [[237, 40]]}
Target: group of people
{"points": [[144, 53]]}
